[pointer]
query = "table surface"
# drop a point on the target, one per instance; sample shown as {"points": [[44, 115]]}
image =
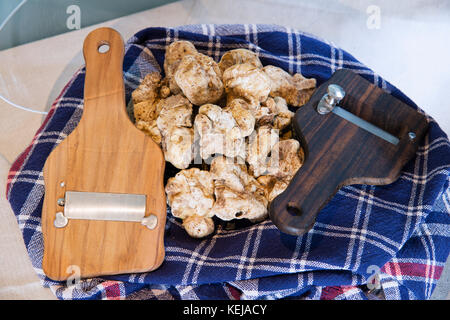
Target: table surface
{"points": [[33, 75], [39, 19]]}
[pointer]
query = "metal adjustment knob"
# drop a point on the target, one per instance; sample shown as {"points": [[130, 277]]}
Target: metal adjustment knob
{"points": [[150, 222], [334, 95], [60, 220]]}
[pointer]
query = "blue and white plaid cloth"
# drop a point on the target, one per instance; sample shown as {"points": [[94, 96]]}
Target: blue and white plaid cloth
{"points": [[396, 235]]}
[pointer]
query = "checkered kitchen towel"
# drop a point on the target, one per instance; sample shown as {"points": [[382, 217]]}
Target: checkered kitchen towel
{"points": [[393, 237]]}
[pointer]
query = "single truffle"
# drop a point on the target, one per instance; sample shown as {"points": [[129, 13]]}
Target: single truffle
{"points": [[190, 193], [198, 226], [238, 194], [296, 90], [174, 54], [200, 79], [275, 113], [247, 81], [260, 145], [178, 146], [285, 159], [217, 132], [239, 56]]}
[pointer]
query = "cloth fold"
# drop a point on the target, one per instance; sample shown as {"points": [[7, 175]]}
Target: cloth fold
{"points": [[392, 238]]}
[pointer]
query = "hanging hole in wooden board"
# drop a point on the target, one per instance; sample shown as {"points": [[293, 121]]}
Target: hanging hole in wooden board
{"points": [[293, 210], [103, 47]]}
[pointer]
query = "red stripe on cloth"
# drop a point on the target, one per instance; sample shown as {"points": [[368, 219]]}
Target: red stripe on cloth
{"points": [[235, 293], [330, 293], [112, 290], [18, 163], [412, 269]]}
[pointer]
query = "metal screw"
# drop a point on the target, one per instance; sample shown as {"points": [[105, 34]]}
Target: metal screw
{"points": [[334, 95], [61, 202], [411, 135], [62, 184]]}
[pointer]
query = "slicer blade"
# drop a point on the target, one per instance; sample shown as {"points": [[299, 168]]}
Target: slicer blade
{"points": [[104, 206], [363, 124]]}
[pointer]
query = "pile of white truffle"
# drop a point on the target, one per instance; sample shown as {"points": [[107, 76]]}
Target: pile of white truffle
{"points": [[233, 118]]}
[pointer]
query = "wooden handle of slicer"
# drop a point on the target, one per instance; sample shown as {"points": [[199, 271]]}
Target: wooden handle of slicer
{"points": [[295, 210], [103, 52]]}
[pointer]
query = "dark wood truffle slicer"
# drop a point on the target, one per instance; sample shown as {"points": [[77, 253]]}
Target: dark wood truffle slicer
{"points": [[352, 132]]}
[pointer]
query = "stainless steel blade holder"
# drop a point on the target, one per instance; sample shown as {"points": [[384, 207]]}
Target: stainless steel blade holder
{"points": [[103, 206]]}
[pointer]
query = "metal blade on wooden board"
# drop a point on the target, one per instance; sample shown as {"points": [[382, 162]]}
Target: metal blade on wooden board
{"points": [[328, 103], [365, 125]]}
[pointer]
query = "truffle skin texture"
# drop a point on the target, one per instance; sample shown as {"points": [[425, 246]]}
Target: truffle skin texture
{"points": [[243, 116], [200, 79], [260, 145], [238, 194], [198, 226], [247, 81], [296, 89], [174, 54], [146, 109], [177, 138], [239, 56], [285, 160], [151, 129], [174, 111], [272, 186], [148, 89], [217, 132], [190, 193], [178, 146], [277, 115]]}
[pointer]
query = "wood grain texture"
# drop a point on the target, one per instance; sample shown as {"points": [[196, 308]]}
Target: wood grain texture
{"points": [[104, 153], [339, 153]]}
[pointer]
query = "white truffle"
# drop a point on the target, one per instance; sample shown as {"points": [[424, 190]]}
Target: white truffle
{"points": [[200, 79], [260, 145], [198, 226], [296, 90], [174, 54], [238, 194], [239, 56], [190, 193], [272, 186], [175, 111], [242, 115], [148, 89], [275, 113], [150, 128], [146, 98], [178, 146], [217, 132], [247, 81], [177, 137], [285, 160]]}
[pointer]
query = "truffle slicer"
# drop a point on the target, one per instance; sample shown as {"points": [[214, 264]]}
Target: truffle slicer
{"points": [[104, 207], [366, 139]]}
